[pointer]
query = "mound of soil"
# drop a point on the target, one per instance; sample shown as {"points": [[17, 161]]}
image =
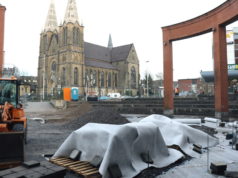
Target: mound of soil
{"points": [[96, 115], [67, 114]]}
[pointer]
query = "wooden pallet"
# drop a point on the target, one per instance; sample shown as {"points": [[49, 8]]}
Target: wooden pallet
{"points": [[82, 168]]}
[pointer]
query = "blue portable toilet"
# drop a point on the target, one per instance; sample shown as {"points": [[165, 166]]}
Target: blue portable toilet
{"points": [[74, 93]]}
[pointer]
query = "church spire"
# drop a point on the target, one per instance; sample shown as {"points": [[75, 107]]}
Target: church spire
{"points": [[51, 20], [71, 14], [110, 45]]}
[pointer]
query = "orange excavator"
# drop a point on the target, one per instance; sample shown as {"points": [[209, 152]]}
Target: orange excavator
{"points": [[13, 123]]}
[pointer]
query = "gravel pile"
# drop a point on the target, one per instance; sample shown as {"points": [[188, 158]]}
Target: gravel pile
{"points": [[96, 115]]}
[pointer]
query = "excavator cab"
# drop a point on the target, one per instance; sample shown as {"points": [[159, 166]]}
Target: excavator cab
{"points": [[9, 92], [13, 123]]}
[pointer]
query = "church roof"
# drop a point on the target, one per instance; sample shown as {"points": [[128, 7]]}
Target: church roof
{"points": [[120, 53], [104, 56], [71, 14], [51, 20], [100, 64], [94, 51]]}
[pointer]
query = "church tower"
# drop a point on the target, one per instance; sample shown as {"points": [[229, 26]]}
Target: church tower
{"points": [[71, 49], [61, 59], [48, 58]]}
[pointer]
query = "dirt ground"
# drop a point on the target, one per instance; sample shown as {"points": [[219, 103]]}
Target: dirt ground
{"points": [[46, 138]]}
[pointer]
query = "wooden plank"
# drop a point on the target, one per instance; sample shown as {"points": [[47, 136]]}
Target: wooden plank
{"points": [[60, 158], [82, 168], [91, 173], [72, 163], [78, 166], [62, 162], [88, 170]]}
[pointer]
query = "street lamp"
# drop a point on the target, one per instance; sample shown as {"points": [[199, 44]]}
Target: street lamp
{"points": [[147, 80], [43, 91]]}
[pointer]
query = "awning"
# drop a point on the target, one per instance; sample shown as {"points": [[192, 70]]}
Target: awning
{"points": [[208, 76]]}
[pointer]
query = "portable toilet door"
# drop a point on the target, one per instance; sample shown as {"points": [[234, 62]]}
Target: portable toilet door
{"points": [[74, 93], [67, 94]]}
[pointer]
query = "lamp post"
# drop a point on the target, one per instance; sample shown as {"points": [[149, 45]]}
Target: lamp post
{"points": [[43, 91], [147, 85]]}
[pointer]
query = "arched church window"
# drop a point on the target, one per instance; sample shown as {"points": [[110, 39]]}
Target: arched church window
{"points": [[109, 80], [53, 66], [102, 79], [65, 31], [63, 76], [78, 35], [86, 77], [75, 76], [91, 77], [94, 78], [133, 77], [74, 35], [115, 80], [45, 42]]}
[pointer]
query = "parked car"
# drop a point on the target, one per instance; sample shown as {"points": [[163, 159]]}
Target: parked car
{"points": [[114, 95], [104, 98], [126, 97], [92, 98]]}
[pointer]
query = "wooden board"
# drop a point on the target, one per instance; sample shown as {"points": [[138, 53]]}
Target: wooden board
{"points": [[82, 168]]}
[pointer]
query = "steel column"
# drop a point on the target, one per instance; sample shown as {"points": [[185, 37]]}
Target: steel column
{"points": [[220, 72]]}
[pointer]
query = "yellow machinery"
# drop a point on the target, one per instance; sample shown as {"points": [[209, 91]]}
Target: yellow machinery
{"points": [[13, 123]]}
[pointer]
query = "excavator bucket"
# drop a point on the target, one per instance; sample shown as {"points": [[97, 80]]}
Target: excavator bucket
{"points": [[11, 149]]}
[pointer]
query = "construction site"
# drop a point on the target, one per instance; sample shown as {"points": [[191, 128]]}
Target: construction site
{"points": [[136, 137]]}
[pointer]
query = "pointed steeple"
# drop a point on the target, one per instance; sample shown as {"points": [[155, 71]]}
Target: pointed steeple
{"points": [[71, 14], [51, 20], [110, 45]]}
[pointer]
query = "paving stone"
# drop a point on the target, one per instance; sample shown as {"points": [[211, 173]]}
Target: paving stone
{"points": [[17, 169], [218, 168], [30, 164], [6, 172], [198, 150], [75, 155], [96, 161]]}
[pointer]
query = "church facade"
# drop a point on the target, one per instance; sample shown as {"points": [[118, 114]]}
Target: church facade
{"points": [[66, 60]]}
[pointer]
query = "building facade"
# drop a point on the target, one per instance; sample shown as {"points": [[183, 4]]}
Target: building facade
{"points": [[66, 60], [28, 85]]}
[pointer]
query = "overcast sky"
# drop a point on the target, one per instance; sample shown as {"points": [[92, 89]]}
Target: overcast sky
{"points": [[128, 21]]}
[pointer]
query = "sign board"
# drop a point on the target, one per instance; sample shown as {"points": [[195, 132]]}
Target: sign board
{"points": [[232, 66]]}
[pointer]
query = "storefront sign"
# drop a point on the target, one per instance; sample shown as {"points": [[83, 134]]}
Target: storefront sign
{"points": [[232, 66]]}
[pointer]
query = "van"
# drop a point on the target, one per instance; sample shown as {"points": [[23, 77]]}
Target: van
{"points": [[114, 95]]}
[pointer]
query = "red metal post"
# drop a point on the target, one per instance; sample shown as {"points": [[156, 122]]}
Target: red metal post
{"points": [[168, 77], [2, 17], [220, 72]]}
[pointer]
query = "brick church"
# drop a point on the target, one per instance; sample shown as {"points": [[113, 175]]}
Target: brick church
{"points": [[66, 60]]}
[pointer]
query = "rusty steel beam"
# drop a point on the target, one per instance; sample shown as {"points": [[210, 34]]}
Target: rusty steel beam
{"points": [[224, 14], [213, 21]]}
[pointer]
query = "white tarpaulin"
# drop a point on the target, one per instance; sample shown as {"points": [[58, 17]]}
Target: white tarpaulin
{"points": [[123, 144]]}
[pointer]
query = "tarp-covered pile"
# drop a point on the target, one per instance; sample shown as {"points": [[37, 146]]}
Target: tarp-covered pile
{"points": [[124, 144]]}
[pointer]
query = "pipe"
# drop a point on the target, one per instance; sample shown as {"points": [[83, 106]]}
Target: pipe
{"points": [[2, 17], [209, 119], [188, 121]]}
